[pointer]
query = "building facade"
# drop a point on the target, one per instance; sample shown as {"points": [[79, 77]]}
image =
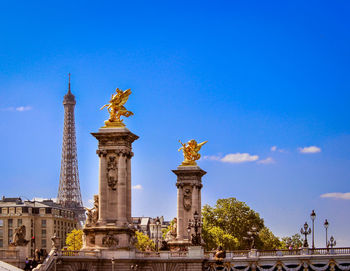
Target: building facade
{"points": [[41, 219], [150, 227]]}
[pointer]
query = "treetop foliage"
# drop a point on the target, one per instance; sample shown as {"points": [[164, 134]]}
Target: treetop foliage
{"points": [[228, 222]]}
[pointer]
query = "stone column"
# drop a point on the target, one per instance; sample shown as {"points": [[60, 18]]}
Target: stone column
{"points": [[189, 183], [103, 186], [200, 199], [111, 231], [128, 189], [180, 212], [122, 191]]}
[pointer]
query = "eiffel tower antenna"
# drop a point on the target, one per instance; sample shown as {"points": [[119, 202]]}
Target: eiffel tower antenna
{"points": [[69, 194]]}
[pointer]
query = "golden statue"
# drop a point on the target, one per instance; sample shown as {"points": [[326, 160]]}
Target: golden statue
{"points": [[116, 108], [190, 152]]}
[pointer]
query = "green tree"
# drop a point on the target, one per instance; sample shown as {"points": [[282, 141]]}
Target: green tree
{"points": [[144, 243], [74, 240], [268, 240], [233, 219], [295, 241]]}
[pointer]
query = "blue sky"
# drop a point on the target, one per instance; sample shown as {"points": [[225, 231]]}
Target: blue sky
{"points": [[244, 75]]}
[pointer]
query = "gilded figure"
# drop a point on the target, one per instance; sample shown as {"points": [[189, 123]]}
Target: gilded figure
{"points": [[190, 151], [116, 108]]}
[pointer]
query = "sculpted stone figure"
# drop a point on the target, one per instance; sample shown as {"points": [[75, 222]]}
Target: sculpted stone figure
{"points": [[190, 152], [92, 213], [112, 172], [187, 199], [172, 233], [19, 236], [116, 108], [109, 241]]}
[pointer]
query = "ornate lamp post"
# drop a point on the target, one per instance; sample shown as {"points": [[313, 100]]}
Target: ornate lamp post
{"points": [[306, 231], [313, 216], [331, 243], [251, 236], [157, 225], [326, 224], [189, 232], [196, 224]]}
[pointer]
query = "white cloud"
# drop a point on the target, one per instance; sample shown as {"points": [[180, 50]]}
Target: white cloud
{"points": [[275, 148], [239, 158], [18, 109], [337, 195], [212, 157], [311, 149], [23, 108], [137, 187], [268, 160]]}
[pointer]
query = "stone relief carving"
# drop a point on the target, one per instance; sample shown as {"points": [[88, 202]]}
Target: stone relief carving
{"points": [[112, 172], [172, 233], [19, 236], [92, 214], [110, 241], [187, 200]]}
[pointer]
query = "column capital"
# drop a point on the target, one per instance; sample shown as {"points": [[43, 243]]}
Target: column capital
{"points": [[101, 153]]}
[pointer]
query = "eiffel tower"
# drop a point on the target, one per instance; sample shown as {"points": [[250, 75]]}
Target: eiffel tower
{"points": [[69, 195]]}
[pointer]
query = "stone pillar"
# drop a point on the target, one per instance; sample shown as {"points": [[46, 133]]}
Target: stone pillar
{"points": [[110, 230], [180, 212], [189, 184], [103, 185], [122, 191], [128, 189]]}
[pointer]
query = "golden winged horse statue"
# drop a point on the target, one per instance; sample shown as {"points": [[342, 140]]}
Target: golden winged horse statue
{"points": [[116, 108], [190, 152]]}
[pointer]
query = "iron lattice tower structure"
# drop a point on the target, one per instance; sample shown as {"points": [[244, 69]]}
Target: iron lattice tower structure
{"points": [[69, 194]]}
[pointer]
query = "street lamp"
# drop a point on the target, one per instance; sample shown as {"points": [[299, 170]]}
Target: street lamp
{"points": [[306, 231], [331, 243], [157, 225], [189, 232], [326, 224], [196, 224], [313, 216], [251, 236]]}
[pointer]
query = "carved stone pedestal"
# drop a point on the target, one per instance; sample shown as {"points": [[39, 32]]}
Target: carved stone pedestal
{"points": [[189, 185], [109, 223]]}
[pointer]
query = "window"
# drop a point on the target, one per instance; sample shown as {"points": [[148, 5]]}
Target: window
{"points": [[19, 222], [1, 222], [43, 233], [43, 223], [1, 233], [10, 221], [43, 243], [1, 243], [10, 235]]}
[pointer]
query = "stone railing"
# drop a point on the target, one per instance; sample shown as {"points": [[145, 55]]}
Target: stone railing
{"points": [[210, 254], [48, 262], [281, 252], [79, 253]]}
